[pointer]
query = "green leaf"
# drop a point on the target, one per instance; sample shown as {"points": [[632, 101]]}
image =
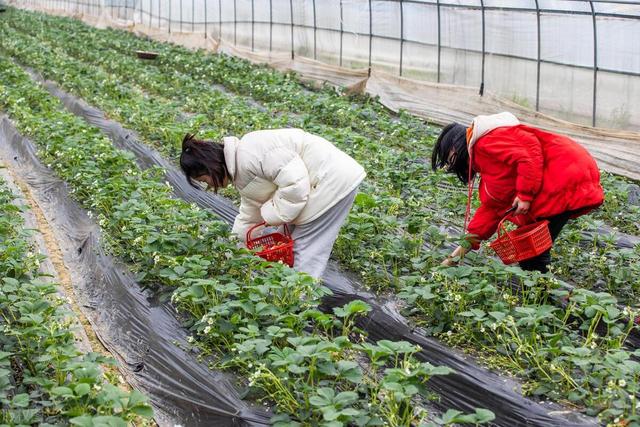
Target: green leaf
{"points": [[484, 416], [365, 201], [143, 410], [466, 314], [397, 347], [11, 281], [295, 369], [61, 391], [323, 397], [329, 413], [345, 398], [350, 412], [20, 400], [477, 312], [498, 315], [354, 307], [350, 370], [450, 417], [84, 421], [107, 421], [283, 420], [136, 398], [82, 389]]}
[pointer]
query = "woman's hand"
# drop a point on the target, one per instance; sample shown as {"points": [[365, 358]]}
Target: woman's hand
{"points": [[460, 251], [522, 207], [451, 260]]}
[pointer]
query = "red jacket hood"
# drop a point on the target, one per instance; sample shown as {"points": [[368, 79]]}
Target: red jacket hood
{"points": [[482, 125]]}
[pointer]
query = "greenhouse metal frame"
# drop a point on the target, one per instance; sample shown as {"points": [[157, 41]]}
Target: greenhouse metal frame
{"points": [[251, 23]]}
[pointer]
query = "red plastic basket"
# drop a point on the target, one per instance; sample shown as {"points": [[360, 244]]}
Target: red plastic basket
{"points": [[276, 246], [522, 243]]}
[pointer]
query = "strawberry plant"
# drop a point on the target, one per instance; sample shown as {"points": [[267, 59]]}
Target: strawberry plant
{"points": [[44, 378], [252, 316]]}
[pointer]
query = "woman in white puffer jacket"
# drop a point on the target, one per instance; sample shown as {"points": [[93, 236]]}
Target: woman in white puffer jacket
{"points": [[284, 176]]}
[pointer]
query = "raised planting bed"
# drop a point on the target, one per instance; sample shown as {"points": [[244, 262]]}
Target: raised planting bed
{"points": [[396, 259], [45, 376]]}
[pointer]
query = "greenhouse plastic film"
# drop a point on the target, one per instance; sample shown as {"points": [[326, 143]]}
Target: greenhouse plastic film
{"points": [[138, 330], [564, 88], [468, 388], [616, 151]]}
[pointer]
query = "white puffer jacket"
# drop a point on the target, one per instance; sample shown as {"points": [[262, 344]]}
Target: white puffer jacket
{"points": [[287, 176]]}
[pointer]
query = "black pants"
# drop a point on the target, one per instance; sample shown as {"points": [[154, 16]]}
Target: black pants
{"points": [[542, 261]]}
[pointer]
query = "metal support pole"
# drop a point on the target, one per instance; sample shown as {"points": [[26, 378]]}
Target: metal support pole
{"points": [[341, 30], [483, 48], [315, 29], [595, 64], [270, 25], [181, 15], [159, 14], [206, 18], [370, 35], [150, 10], [401, 34], [253, 24], [169, 20], [439, 40], [292, 45], [193, 16], [219, 20], [538, 59], [235, 23]]}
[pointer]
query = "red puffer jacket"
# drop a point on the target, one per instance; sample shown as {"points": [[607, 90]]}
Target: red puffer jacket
{"points": [[551, 171]]}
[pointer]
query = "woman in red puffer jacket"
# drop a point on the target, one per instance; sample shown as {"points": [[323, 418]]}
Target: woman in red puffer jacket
{"points": [[541, 174]]}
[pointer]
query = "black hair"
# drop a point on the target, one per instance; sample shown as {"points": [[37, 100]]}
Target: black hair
{"points": [[453, 137], [203, 158]]}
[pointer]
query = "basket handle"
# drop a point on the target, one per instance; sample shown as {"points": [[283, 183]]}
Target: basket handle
{"points": [[253, 228], [507, 214], [263, 223], [502, 231]]}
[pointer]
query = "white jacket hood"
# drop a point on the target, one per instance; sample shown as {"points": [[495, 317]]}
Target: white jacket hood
{"points": [[482, 125], [230, 144]]}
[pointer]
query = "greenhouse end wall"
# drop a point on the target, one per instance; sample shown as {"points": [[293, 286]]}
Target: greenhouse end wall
{"points": [[574, 59]]}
